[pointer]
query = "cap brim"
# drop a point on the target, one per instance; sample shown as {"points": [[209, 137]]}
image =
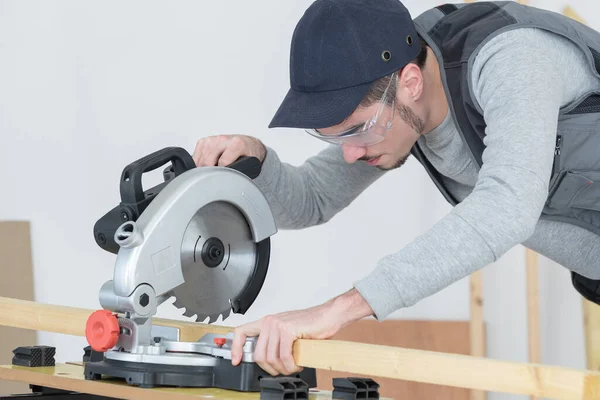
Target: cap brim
{"points": [[314, 110]]}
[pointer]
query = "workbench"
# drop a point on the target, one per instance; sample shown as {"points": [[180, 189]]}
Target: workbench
{"points": [[69, 377]]}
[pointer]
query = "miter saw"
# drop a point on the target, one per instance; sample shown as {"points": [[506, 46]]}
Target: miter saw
{"points": [[201, 236]]}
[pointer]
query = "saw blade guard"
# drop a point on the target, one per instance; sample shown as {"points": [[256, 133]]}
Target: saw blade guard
{"points": [[150, 246], [149, 257]]}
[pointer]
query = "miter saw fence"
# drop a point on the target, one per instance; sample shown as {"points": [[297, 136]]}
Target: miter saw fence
{"points": [[203, 237]]}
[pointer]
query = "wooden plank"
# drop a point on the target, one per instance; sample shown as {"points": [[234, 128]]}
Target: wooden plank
{"points": [[533, 308], [16, 272], [476, 323], [71, 320], [591, 326], [70, 377], [412, 364], [447, 336], [440, 368]]}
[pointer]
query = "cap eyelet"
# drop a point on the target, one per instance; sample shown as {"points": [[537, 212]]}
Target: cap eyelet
{"points": [[409, 40], [386, 55]]}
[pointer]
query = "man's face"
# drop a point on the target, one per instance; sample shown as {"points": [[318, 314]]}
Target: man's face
{"points": [[395, 148]]}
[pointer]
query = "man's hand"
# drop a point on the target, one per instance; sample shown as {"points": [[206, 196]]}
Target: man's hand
{"points": [[222, 150], [277, 333]]}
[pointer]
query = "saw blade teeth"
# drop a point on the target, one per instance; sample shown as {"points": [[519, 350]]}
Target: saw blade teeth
{"points": [[226, 314], [177, 304], [189, 314], [202, 318]]}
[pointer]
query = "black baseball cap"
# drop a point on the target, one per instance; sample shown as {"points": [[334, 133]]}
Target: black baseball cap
{"points": [[338, 49]]}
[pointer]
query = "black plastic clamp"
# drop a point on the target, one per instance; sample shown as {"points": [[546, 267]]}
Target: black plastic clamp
{"points": [[279, 388], [355, 388], [34, 356], [91, 355]]}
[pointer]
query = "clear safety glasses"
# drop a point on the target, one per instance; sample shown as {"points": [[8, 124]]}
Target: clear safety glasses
{"points": [[372, 131]]}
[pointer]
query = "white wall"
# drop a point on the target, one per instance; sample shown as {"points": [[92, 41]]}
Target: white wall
{"points": [[87, 87]]}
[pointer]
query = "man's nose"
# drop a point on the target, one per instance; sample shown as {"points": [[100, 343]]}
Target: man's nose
{"points": [[353, 153]]}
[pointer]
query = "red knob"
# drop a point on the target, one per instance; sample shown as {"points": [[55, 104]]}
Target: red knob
{"points": [[220, 341], [102, 330]]}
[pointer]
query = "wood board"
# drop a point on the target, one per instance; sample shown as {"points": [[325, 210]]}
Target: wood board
{"points": [[477, 323], [444, 336], [533, 308], [383, 361], [69, 376], [16, 281]]}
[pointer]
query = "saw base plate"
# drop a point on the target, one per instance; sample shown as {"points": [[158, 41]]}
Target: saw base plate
{"points": [[223, 375]]}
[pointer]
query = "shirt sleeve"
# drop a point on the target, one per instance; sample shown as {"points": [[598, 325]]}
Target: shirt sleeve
{"points": [[314, 192], [518, 86]]}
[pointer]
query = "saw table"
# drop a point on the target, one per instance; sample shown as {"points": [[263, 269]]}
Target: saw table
{"points": [[69, 377]]}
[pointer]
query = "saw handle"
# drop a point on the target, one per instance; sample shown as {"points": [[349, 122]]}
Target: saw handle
{"points": [[134, 199], [132, 191], [250, 166]]}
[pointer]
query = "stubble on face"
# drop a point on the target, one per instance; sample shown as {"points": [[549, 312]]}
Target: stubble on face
{"points": [[416, 123]]}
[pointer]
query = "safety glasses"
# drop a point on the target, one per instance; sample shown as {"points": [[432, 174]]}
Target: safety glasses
{"points": [[372, 131]]}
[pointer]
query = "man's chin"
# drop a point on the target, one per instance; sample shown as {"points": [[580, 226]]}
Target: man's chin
{"points": [[395, 165]]}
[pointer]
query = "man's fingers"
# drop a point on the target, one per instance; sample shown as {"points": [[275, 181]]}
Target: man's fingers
{"points": [[209, 149], [270, 370], [239, 338], [198, 151], [261, 346], [223, 150], [210, 156], [236, 147], [260, 351], [273, 358], [285, 353], [228, 157], [237, 347]]}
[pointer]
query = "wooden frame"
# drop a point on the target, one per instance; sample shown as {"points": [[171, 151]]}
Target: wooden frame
{"points": [[16, 280], [477, 324], [471, 372], [533, 308]]}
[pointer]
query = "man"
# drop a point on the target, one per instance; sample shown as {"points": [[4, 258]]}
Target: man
{"points": [[498, 102]]}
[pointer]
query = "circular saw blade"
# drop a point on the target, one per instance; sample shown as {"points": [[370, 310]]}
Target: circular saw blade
{"points": [[218, 257]]}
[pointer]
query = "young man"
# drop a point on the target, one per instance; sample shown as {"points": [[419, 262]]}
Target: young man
{"points": [[498, 101]]}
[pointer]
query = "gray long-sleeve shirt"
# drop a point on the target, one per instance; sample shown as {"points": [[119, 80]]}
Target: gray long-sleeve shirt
{"points": [[521, 78]]}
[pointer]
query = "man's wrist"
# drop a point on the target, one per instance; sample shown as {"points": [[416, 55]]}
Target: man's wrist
{"points": [[350, 307]]}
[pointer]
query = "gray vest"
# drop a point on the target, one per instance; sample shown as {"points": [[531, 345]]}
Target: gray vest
{"points": [[456, 33]]}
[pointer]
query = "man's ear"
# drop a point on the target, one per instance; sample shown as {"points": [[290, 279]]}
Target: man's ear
{"points": [[411, 82]]}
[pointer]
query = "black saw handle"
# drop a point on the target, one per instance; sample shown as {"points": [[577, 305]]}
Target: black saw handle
{"points": [[134, 199], [131, 178], [249, 166]]}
